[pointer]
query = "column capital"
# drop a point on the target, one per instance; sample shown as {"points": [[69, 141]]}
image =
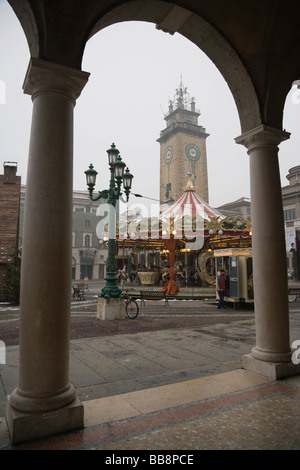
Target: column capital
{"points": [[43, 77], [262, 136]]}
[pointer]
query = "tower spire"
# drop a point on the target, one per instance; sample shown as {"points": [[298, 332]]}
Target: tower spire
{"points": [[182, 99]]}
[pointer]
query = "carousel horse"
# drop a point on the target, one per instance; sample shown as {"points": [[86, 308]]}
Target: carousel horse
{"points": [[178, 270], [165, 273]]}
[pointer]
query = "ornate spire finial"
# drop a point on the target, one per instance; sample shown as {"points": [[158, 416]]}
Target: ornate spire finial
{"points": [[182, 98]]}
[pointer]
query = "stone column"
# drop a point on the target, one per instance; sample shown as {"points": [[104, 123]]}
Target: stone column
{"points": [[272, 354], [44, 402]]}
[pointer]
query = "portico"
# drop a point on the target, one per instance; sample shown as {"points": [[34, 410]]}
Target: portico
{"points": [[44, 402]]}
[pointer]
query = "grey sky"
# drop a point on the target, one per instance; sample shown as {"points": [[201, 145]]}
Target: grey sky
{"points": [[135, 70]]}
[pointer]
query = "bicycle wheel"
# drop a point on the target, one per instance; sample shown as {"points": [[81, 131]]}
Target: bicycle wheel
{"points": [[132, 309]]}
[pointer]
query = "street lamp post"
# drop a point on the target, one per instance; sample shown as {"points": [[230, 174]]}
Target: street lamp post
{"points": [[117, 176]]}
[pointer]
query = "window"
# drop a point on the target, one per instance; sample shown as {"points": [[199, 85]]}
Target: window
{"points": [[87, 239], [87, 224], [290, 214]]}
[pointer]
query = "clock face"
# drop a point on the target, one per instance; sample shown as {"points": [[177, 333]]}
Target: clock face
{"points": [[169, 152], [192, 152]]}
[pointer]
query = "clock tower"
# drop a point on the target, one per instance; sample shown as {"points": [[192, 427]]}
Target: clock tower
{"points": [[182, 149]]}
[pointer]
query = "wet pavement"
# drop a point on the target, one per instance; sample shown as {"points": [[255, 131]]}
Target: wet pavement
{"points": [[172, 389]]}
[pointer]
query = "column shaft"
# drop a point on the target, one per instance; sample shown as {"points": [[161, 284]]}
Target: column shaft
{"points": [[46, 262], [46, 251], [268, 246]]}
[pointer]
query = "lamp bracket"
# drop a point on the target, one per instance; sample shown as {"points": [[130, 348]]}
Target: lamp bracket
{"points": [[101, 195]]}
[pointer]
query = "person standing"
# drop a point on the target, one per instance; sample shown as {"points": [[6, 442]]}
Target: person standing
{"points": [[221, 288]]}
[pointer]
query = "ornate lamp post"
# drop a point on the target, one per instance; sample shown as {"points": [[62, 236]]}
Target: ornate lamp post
{"points": [[117, 176]]}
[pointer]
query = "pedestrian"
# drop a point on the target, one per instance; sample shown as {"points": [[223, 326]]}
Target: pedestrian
{"points": [[221, 288]]}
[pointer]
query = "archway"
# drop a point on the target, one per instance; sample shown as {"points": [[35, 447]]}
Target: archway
{"points": [[208, 39], [55, 81], [127, 98]]}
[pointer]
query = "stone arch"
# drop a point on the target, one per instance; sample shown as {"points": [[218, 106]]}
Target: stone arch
{"points": [[208, 39], [60, 44]]}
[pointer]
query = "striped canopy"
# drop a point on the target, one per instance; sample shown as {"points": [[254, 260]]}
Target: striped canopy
{"points": [[190, 204]]}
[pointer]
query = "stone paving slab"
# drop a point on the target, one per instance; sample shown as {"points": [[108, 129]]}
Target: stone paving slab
{"points": [[143, 358]]}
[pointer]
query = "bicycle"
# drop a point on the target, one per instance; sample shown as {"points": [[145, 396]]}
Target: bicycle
{"points": [[132, 308]]}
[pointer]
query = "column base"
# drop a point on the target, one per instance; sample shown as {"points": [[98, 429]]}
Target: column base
{"points": [[273, 370], [24, 426], [110, 309]]}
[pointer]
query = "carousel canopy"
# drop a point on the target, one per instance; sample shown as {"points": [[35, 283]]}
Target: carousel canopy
{"points": [[190, 216], [190, 204]]}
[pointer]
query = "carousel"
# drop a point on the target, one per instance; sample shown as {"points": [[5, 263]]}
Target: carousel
{"points": [[181, 250]]}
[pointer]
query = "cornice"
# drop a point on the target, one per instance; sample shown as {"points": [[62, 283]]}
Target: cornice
{"points": [[182, 128]]}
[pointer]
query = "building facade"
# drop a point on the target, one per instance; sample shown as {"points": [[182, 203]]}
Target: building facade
{"points": [[182, 149], [89, 252], [10, 186], [240, 207], [291, 211]]}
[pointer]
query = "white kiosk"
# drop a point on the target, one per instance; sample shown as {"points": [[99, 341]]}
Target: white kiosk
{"points": [[237, 264]]}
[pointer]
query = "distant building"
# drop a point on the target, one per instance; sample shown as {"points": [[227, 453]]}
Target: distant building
{"points": [[89, 253], [10, 187], [240, 207], [291, 211]]}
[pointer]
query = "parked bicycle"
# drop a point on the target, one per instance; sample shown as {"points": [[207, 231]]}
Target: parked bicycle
{"points": [[78, 293], [131, 305]]}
